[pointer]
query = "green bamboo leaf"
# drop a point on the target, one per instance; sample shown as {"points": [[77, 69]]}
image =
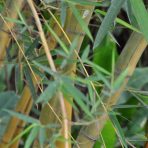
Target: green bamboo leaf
{"points": [[102, 78], [85, 53], [18, 79], [108, 21], [62, 44], [91, 93], [8, 100], [141, 16], [25, 131], [81, 21], [22, 116], [127, 106], [104, 51], [21, 17], [76, 94], [42, 137], [49, 92], [130, 14], [140, 76], [31, 137], [32, 46], [14, 20], [139, 120], [43, 67], [86, 2], [97, 67], [30, 83], [68, 58], [108, 135], [63, 12], [118, 128], [120, 79], [119, 21]]}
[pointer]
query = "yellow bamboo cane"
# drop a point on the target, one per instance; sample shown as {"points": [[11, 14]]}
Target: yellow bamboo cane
{"points": [[128, 59], [73, 30], [27, 93], [10, 12]]}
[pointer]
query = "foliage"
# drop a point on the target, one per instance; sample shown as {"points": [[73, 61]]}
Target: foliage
{"points": [[60, 74]]}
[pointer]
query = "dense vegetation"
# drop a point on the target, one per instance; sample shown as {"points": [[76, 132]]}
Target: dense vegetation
{"points": [[73, 73]]}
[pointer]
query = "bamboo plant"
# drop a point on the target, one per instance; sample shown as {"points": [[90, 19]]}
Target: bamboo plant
{"points": [[65, 94]]}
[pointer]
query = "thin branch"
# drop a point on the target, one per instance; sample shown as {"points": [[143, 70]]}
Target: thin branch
{"points": [[42, 35]]}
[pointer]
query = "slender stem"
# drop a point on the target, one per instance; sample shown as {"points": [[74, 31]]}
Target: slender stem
{"points": [[42, 35], [51, 63]]}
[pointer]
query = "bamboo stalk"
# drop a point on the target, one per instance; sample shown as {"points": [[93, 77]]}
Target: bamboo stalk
{"points": [[28, 92], [10, 12], [27, 97], [73, 30], [53, 68], [128, 59], [13, 124], [26, 107], [23, 106], [131, 64], [21, 125]]}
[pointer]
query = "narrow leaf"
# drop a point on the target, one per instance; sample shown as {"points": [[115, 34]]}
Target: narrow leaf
{"points": [[118, 128], [48, 92], [77, 95], [119, 21], [108, 21], [141, 16], [30, 83], [31, 137], [63, 13], [22, 116]]}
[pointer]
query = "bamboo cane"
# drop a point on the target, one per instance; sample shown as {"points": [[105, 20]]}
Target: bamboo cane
{"points": [[10, 12], [23, 106], [26, 91], [128, 59], [26, 107], [26, 95], [21, 125], [73, 30], [12, 126]]}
